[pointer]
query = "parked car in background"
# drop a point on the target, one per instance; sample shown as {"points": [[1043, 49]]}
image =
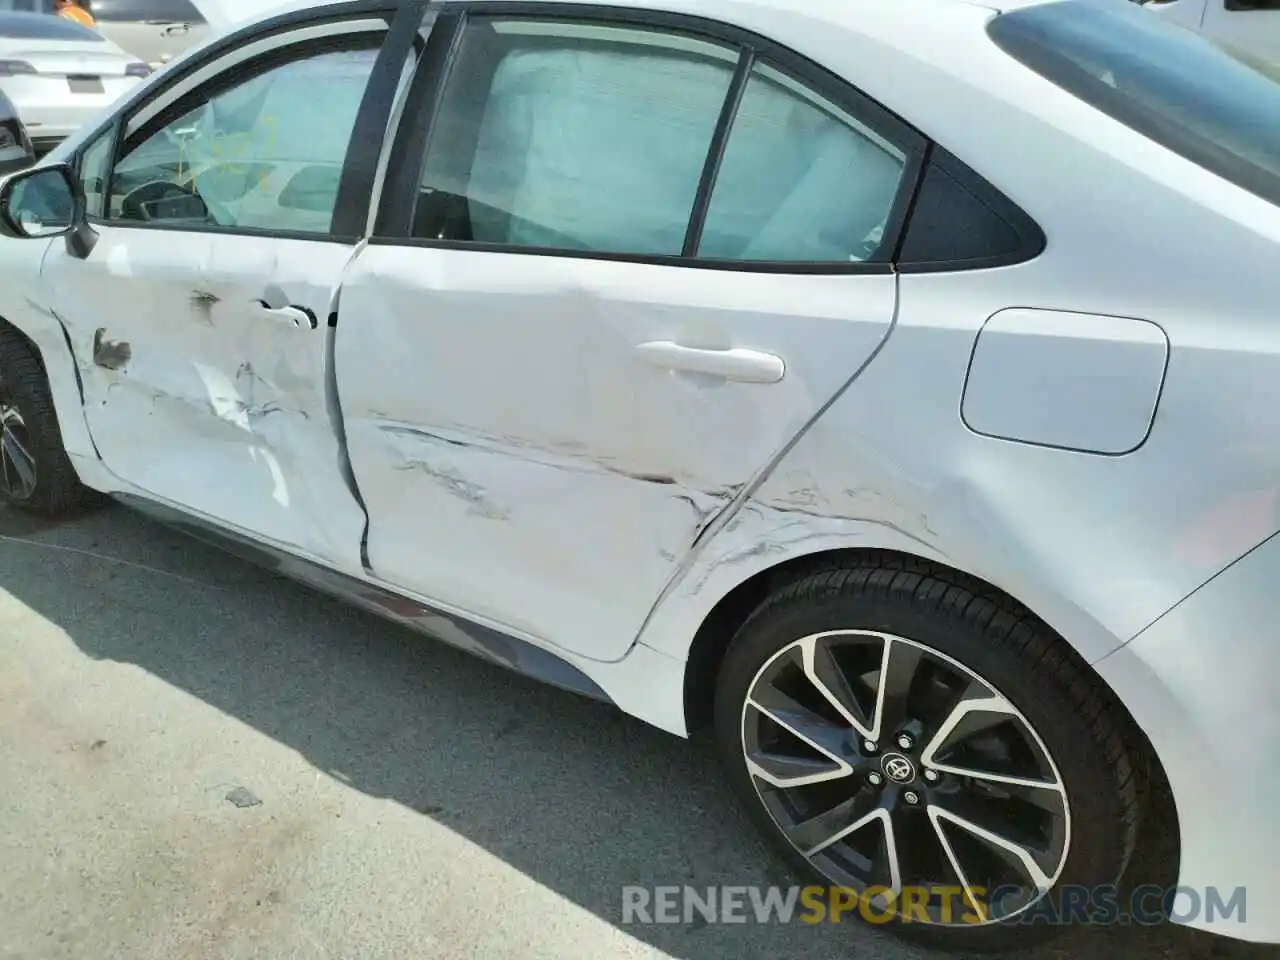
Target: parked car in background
{"points": [[1250, 26], [155, 31], [60, 74], [28, 6], [16, 150]]}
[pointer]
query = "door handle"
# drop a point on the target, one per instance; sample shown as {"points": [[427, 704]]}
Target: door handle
{"points": [[744, 366], [292, 315]]}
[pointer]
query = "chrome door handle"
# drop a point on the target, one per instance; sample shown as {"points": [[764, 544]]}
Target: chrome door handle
{"points": [[295, 316], [744, 366]]}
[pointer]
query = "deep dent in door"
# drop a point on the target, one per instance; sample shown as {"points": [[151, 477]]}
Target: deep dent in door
{"points": [[521, 462], [225, 380]]}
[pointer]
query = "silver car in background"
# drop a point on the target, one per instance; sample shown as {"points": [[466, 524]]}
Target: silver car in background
{"points": [[155, 31], [60, 74]]}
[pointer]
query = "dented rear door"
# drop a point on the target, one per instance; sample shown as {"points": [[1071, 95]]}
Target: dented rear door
{"points": [[528, 453], [546, 401]]}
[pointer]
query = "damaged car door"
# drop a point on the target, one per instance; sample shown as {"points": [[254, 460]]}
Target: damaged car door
{"points": [[199, 318], [633, 258]]}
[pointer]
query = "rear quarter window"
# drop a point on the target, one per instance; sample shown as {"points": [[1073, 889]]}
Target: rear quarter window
{"points": [[1211, 105]]}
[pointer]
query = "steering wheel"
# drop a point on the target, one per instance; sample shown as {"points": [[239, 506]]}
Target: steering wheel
{"points": [[163, 200]]}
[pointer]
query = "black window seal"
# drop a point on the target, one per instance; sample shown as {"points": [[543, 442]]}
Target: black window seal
{"points": [[715, 155], [1031, 236], [417, 121], [398, 198], [288, 22], [364, 149]]}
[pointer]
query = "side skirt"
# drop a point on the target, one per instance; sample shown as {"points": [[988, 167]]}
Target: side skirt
{"points": [[483, 642]]}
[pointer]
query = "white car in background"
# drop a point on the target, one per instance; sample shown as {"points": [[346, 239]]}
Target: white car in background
{"points": [[156, 31], [59, 74], [1250, 26]]}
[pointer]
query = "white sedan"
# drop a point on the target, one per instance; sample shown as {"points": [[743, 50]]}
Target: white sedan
{"points": [[886, 388], [60, 74]]}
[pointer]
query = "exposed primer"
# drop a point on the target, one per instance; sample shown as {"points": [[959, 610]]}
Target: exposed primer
{"points": [[110, 354]]}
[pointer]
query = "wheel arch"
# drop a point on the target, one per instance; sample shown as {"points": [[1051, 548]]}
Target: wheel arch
{"points": [[8, 328], [711, 640], [51, 346], [1157, 857]]}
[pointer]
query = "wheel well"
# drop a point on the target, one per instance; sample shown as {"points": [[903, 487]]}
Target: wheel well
{"points": [[1157, 856], [712, 639], [7, 327]]}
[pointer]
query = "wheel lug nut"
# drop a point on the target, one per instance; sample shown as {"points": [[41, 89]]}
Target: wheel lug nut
{"points": [[911, 797], [875, 779], [931, 776], [870, 746], [905, 742]]}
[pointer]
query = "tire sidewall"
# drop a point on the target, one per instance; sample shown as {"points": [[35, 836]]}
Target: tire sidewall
{"points": [[1095, 810], [57, 488]]}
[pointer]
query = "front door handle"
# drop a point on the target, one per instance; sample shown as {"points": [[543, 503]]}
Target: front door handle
{"points": [[744, 366], [292, 315]]}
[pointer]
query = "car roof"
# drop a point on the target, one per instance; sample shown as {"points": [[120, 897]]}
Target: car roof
{"points": [[844, 13]]}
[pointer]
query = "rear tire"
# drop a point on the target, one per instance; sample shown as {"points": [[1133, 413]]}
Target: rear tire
{"points": [[35, 473], [857, 782]]}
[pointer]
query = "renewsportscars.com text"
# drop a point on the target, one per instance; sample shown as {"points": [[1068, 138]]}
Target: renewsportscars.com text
{"points": [[1147, 905]]}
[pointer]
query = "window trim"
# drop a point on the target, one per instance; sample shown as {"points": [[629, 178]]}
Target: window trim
{"points": [[281, 37], [1031, 236], [112, 133], [131, 134], [165, 82], [715, 153], [412, 137]]}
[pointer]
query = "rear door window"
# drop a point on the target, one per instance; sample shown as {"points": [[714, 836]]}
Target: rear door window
{"points": [[802, 180], [1214, 106], [573, 136]]}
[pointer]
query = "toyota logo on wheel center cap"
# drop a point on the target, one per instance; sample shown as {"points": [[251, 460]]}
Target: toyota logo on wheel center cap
{"points": [[898, 768]]}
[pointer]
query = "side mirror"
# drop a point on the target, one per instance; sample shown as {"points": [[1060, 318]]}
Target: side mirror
{"points": [[41, 202]]}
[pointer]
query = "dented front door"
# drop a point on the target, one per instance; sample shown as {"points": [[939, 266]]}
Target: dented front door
{"points": [[204, 362]]}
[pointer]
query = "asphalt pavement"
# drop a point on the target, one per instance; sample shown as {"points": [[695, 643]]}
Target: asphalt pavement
{"points": [[201, 760]]}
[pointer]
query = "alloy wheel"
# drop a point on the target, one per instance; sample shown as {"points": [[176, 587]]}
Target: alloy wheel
{"points": [[892, 767], [17, 463]]}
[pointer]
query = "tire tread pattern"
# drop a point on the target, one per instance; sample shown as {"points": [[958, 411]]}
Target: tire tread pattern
{"points": [[1014, 632]]}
